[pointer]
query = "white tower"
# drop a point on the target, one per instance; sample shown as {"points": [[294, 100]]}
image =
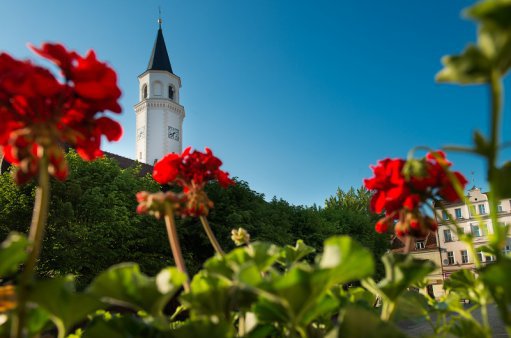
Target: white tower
{"points": [[159, 114]]}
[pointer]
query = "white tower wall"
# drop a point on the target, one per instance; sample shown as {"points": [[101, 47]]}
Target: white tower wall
{"points": [[159, 116]]}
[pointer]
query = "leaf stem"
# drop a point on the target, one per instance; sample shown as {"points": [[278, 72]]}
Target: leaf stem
{"points": [[174, 243], [211, 236], [37, 227], [387, 310]]}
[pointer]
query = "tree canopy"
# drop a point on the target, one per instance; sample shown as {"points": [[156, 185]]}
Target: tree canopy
{"points": [[93, 223]]}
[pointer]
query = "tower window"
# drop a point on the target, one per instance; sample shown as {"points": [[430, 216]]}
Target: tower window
{"points": [[171, 92], [144, 92]]}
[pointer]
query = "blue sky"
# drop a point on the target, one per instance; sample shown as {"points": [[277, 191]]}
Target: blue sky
{"points": [[296, 97]]}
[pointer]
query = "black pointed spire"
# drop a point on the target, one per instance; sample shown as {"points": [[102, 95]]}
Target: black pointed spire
{"points": [[159, 58]]}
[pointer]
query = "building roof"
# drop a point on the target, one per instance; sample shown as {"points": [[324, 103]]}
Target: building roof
{"points": [[398, 244], [124, 163], [159, 58]]}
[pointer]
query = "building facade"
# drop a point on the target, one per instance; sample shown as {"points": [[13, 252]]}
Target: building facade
{"points": [[424, 248], [159, 116], [454, 253]]}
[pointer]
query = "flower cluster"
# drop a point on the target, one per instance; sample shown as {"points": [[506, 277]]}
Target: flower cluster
{"points": [[240, 236], [154, 203], [40, 113], [190, 171], [401, 188]]}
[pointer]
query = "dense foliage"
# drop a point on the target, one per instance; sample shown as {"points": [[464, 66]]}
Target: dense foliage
{"points": [[92, 221]]}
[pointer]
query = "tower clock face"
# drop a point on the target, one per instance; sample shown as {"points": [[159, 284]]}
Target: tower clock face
{"points": [[173, 133], [140, 133]]}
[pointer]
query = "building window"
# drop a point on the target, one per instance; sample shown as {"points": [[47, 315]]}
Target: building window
{"points": [[144, 92], [445, 216], [499, 208], [457, 213], [171, 93], [489, 258], [507, 250], [464, 256], [420, 245], [476, 232], [140, 155], [482, 209], [447, 236], [480, 256], [450, 257]]}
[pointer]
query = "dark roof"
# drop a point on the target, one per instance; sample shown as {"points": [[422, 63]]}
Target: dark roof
{"points": [[398, 245], [159, 58], [125, 162]]}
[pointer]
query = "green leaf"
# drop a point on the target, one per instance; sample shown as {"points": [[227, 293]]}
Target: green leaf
{"points": [[262, 331], [65, 306], [202, 328], [411, 305], [496, 278], [471, 67], [261, 255], [346, 260], [292, 254], [358, 322], [13, 252], [493, 13], [298, 297], [360, 297], [401, 272], [37, 320], [125, 285], [468, 328], [502, 177], [209, 295], [482, 146], [498, 239], [121, 327], [466, 285]]}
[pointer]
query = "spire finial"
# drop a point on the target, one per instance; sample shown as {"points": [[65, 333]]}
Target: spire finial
{"points": [[159, 16]]}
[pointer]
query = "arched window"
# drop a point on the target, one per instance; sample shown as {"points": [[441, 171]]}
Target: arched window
{"points": [[144, 92], [171, 92]]}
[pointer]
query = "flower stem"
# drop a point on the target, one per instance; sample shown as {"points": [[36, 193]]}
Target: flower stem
{"points": [[174, 243], [496, 89], [211, 236], [37, 226]]}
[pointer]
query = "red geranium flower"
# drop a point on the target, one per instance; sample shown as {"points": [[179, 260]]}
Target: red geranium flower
{"points": [[191, 171], [191, 168], [402, 187], [39, 113]]}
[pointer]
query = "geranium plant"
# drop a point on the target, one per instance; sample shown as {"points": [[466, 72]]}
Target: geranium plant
{"points": [[258, 289]]}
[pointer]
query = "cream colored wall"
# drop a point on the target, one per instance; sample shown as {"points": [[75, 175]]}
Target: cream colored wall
{"points": [[467, 219]]}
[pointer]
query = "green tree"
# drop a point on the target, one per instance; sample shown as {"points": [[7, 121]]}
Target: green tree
{"points": [[92, 221], [349, 213]]}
